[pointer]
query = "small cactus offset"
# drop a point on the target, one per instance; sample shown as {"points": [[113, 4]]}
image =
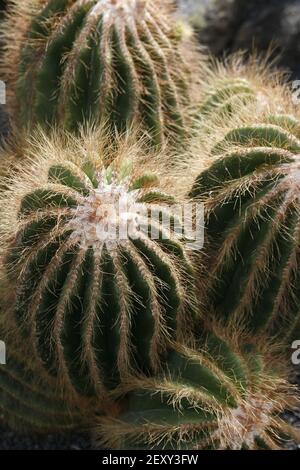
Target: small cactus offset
{"points": [[117, 61], [239, 87], [253, 227], [100, 287], [215, 396]]}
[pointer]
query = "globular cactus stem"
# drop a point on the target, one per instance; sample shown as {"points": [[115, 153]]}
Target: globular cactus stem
{"points": [[118, 61], [251, 192], [94, 292], [218, 395]]}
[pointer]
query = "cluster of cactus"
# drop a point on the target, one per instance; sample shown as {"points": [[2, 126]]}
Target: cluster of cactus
{"points": [[217, 395], [98, 276]]}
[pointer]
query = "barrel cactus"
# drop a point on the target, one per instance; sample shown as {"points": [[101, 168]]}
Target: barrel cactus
{"points": [[118, 61], [217, 395], [100, 286], [253, 226]]}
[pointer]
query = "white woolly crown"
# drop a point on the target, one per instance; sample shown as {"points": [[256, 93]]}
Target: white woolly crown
{"points": [[108, 216]]}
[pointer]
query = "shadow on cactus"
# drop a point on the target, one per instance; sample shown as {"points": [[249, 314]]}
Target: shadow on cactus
{"points": [[100, 287], [28, 402], [218, 395], [115, 60], [253, 226]]}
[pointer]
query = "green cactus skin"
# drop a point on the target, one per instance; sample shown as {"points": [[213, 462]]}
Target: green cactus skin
{"points": [[253, 228], [287, 121], [118, 61], [93, 306], [212, 397], [259, 135], [240, 88]]}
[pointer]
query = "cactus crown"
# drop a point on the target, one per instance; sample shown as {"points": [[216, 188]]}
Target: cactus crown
{"points": [[239, 94], [215, 396], [99, 60], [92, 289], [253, 226]]}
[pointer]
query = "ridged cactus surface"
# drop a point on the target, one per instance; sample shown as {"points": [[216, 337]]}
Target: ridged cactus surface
{"points": [[100, 287], [118, 61], [253, 227], [214, 396]]}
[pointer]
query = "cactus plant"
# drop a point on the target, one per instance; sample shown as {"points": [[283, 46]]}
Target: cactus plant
{"points": [[253, 227], [27, 403], [118, 61], [240, 87], [100, 287], [218, 395]]}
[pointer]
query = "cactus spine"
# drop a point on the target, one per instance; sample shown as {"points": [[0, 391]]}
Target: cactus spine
{"points": [[215, 396], [118, 61], [226, 97], [100, 287], [253, 226], [238, 88]]}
